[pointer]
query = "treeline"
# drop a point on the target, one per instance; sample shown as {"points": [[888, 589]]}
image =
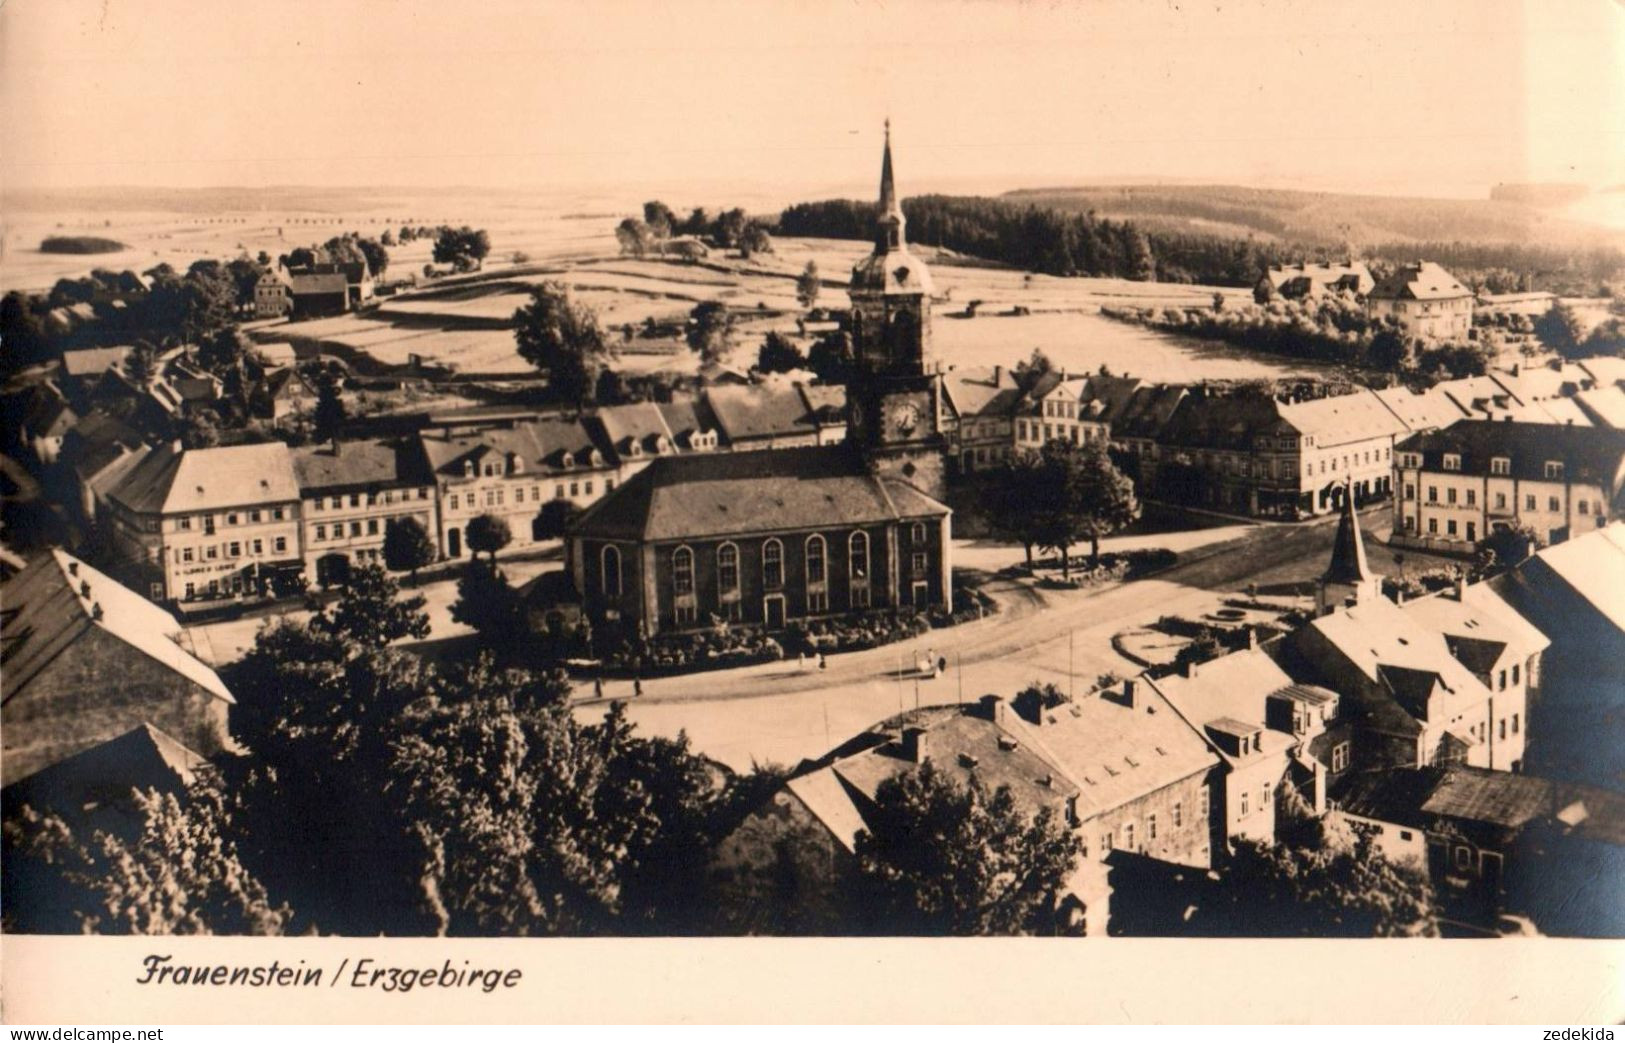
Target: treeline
{"points": [[80, 244], [1047, 237]]}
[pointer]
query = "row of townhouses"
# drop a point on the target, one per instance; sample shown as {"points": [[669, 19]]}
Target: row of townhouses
{"points": [[226, 521]]}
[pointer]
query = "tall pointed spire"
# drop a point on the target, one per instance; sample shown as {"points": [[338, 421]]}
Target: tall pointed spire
{"points": [[888, 189], [1348, 548]]}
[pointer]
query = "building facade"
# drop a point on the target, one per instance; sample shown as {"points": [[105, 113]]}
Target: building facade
{"points": [[350, 493], [1424, 300]]}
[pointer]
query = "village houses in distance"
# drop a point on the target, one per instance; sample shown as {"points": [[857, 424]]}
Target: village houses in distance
{"points": [[1178, 641]]}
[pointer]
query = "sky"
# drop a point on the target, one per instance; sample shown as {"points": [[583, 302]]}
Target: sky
{"points": [[1442, 97]]}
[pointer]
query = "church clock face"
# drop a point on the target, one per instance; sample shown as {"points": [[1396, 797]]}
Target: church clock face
{"points": [[905, 418]]}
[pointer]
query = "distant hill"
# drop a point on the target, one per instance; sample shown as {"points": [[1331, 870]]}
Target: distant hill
{"points": [[1328, 220]]}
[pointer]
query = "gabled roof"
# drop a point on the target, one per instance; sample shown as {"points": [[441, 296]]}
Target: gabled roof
{"points": [[323, 283], [93, 362], [1422, 281], [277, 353], [1318, 276], [1221, 421], [638, 428], [1420, 411], [54, 600], [988, 391], [1535, 383], [1339, 419], [1146, 412], [1592, 566], [1588, 454], [171, 480], [1230, 695], [770, 490], [79, 786], [1483, 395], [1604, 405], [1479, 626], [761, 411], [687, 416], [1416, 796], [1605, 369]]}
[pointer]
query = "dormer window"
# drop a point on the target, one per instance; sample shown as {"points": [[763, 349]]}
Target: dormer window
{"points": [[1452, 461], [468, 468], [1554, 469], [597, 458], [566, 461], [1500, 465], [516, 464]]}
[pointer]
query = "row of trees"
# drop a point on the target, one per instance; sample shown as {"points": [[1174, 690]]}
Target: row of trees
{"points": [[1062, 496]]}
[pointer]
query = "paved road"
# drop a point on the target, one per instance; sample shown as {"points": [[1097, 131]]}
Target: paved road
{"points": [[779, 713]]}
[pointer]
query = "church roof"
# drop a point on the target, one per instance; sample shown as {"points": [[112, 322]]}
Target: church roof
{"points": [[767, 490], [1348, 563]]}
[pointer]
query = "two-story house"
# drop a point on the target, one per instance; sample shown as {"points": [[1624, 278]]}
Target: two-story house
{"points": [[351, 492], [1425, 300]]}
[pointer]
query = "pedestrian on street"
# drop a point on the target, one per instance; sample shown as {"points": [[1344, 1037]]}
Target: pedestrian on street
{"points": [[801, 661], [637, 686], [598, 688], [823, 664]]}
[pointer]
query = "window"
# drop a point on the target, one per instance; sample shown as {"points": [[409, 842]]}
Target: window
{"points": [[1529, 502], [259, 547], [609, 569], [857, 552], [1264, 796], [1585, 506], [1340, 756], [1433, 526], [860, 597], [1178, 814], [1151, 827], [321, 532], [234, 549], [186, 553], [1450, 527], [281, 545], [1105, 843], [558, 492], [1464, 857], [772, 564], [1503, 728], [191, 590], [815, 559], [1433, 494], [1503, 681], [183, 523], [1500, 465], [1501, 501], [1246, 806], [1410, 491], [916, 534], [587, 489], [355, 528], [1452, 461], [231, 519], [682, 572], [1552, 504], [818, 601], [1450, 496], [1514, 724], [254, 516], [1514, 673], [1207, 803], [685, 614], [1472, 497], [372, 526], [1554, 469], [1128, 836], [918, 562], [575, 488], [728, 569], [453, 501], [355, 499], [211, 552]]}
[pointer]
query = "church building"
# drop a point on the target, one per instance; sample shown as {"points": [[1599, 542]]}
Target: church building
{"points": [[778, 535]]}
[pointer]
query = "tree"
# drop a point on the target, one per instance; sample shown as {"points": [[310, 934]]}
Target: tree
{"points": [[329, 415], [1011, 492], [711, 330], [1141, 264], [555, 518], [141, 364], [22, 332], [808, 285], [755, 239], [560, 335], [830, 357], [463, 248], [634, 237], [659, 218], [407, 545], [488, 603], [487, 534], [779, 354], [1509, 547], [1388, 350], [388, 238], [944, 859], [1082, 496], [1561, 330], [1607, 338], [376, 254], [199, 428], [1028, 373], [371, 612], [1336, 890], [177, 874], [730, 225]]}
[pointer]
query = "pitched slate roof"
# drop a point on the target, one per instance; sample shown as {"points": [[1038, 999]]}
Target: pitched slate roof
{"points": [[1476, 629], [1115, 752], [358, 463], [1605, 369], [1422, 281], [1220, 421], [771, 490], [541, 442], [47, 609], [171, 480], [1475, 395], [93, 362], [1414, 796], [318, 283], [1348, 564], [1588, 454], [760, 411], [1146, 412], [1232, 688], [685, 417], [1604, 405], [1593, 566], [1321, 276], [639, 426], [982, 391]]}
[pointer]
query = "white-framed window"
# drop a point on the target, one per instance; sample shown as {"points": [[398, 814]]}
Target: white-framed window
{"points": [[772, 564], [1500, 465], [321, 532], [728, 568], [919, 562], [860, 597], [916, 534], [1340, 756], [685, 614], [281, 545], [1554, 469], [1128, 836], [609, 570], [183, 522], [1207, 802], [682, 571], [817, 601], [857, 551], [1452, 461], [186, 553], [816, 554]]}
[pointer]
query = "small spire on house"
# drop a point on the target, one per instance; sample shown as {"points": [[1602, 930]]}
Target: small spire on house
{"points": [[1348, 549]]}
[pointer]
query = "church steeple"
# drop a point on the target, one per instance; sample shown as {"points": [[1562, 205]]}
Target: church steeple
{"points": [[889, 222], [1348, 577]]}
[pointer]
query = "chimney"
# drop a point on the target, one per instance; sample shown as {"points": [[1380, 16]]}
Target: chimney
{"points": [[96, 610], [84, 588], [1190, 668], [916, 745], [1252, 638], [1516, 367], [73, 568], [998, 374], [1461, 587], [996, 709], [1399, 596], [1131, 692]]}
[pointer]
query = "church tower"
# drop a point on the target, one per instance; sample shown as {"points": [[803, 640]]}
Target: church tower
{"points": [[1348, 579], [894, 399]]}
